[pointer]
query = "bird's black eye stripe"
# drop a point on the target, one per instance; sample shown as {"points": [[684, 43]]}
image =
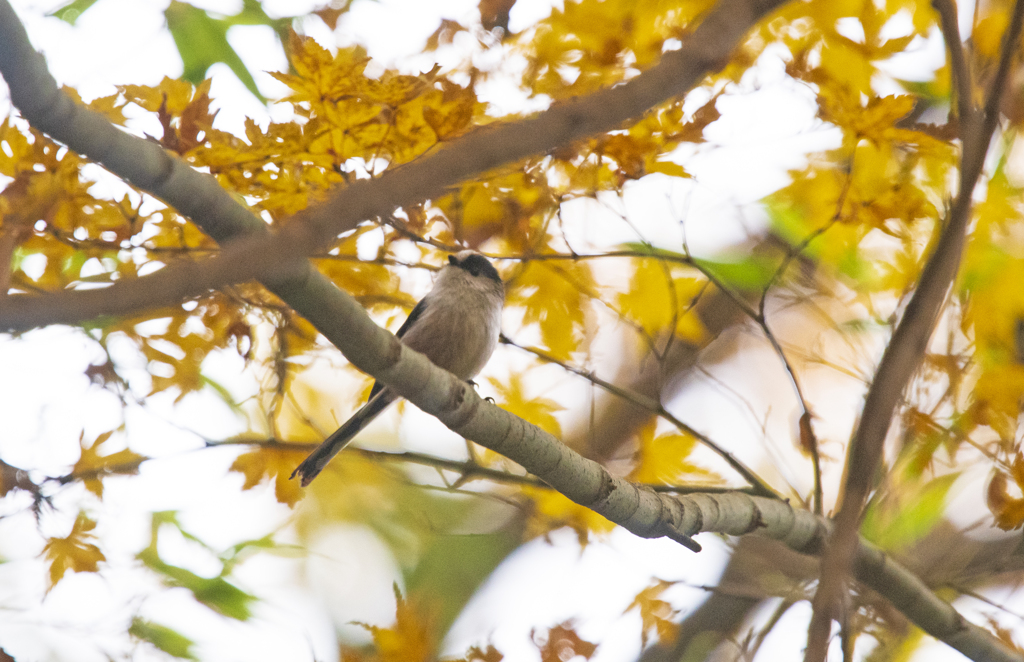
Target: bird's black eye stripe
{"points": [[476, 265]]}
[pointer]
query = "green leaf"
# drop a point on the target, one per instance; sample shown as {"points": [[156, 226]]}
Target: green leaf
{"points": [[19, 256], [171, 517], [753, 273], [252, 14], [202, 41], [74, 263], [164, 638], [241, 551], [788, 224], [215, 592], [749, 273], [70, 12], [913, 518], [452, 569]]}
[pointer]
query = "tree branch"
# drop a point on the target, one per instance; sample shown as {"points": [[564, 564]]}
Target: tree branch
{"points": [[274, 258], [908, 344], [957, 61]]}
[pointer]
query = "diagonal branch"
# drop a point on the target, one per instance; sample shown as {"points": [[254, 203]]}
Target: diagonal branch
{"points": [[274, 257], [910, 340]]}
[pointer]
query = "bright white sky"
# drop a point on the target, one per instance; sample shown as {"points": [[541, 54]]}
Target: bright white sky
{"points": [[45, 400]]}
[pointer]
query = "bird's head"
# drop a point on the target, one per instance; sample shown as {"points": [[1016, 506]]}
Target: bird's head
{"points": [[475, 265]]}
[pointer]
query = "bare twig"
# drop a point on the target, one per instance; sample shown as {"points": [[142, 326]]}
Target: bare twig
{"points": [[808, 439], [760, 487]]}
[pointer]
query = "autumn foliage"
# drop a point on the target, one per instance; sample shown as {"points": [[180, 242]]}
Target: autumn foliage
{"points": [[611, 312]]}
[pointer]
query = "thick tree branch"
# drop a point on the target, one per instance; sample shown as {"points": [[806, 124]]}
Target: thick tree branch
{"points": [[909, 342], [275, 257]]}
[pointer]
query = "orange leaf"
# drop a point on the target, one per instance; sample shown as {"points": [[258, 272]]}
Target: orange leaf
{"points": [[74, 552], [655, 614], [564, 644], [475, 654], [273, 463], [808, 442], [1008, 510], [408, 640], [92, 467]]}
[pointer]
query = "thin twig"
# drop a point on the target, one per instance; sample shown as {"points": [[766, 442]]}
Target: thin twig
{"points": [[807, 436], [795, 251], [761, 488]]}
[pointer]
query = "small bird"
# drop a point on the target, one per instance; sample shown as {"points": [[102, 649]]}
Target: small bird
{"points": [[456, 325]]}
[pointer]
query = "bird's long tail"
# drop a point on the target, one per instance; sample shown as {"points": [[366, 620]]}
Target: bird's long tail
{"points": [[318, 459]]}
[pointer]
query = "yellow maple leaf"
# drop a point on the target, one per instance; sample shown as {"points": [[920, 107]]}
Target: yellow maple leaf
{"points": [[172, 94], [92, 467], [554, 298], [1000, 209], [539, 411], [988, 33], [73, 552], [552, 510], [664, 459], [587, 44], [276, 464], [657, 299], [450, 112], [995, 315]]}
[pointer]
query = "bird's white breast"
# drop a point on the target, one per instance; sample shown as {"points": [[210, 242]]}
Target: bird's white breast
{"points": [[459, 329]]}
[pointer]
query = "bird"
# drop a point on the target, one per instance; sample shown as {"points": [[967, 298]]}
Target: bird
{"points": [[456, 325]]}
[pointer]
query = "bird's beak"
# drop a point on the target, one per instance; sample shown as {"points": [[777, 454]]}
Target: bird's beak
{"points": [[452, 260]]}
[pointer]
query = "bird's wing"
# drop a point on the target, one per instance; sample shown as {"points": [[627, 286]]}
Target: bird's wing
{"points": [[413, 316], [331, 446], [416, 313]]}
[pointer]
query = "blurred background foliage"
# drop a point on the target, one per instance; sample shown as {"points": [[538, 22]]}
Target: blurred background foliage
{"points": [[596, 298]]}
